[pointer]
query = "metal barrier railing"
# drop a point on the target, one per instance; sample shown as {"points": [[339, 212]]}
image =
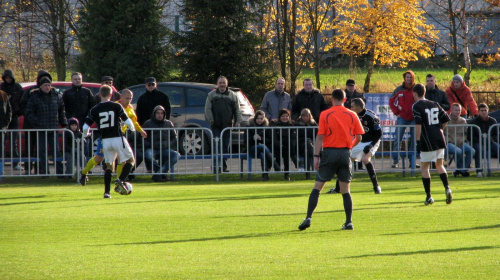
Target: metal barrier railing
{"points": [[283, 150], [492, 140]]}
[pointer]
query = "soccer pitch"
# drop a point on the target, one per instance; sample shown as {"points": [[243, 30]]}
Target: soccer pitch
{"points": [[195, 228]]}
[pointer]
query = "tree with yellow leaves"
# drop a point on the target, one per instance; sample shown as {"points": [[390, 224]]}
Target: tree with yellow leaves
{"points": [[388, 32]]}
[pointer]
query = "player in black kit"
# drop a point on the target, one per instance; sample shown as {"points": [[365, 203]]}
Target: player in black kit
{"points": [[369, 144], [430, 120], [108, 116]]}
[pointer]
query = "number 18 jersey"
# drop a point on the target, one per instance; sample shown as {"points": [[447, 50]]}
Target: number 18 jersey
{"points": [[431, 116], [108, 116]]}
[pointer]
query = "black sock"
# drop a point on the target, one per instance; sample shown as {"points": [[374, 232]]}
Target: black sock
{"points": [[347, 207], [313, 202], [107, 180], [372, 174], [127, 167], [427, 186], [337, 186], [444, 179]]}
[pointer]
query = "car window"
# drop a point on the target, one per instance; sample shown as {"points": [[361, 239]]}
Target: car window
{"points": [[195, 97], [175, 95]]}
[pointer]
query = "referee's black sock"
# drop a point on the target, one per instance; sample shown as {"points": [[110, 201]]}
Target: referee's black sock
{"points": [[372, 174], [347, 207], [427, 186], [444, 179], [127, 167], [107, 180], [313, 202]]}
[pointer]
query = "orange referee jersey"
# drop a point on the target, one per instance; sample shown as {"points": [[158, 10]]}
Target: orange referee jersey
{"points": [[339, 126]]}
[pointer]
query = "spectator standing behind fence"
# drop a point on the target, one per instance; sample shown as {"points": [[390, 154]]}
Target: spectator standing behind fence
{"points": [[72, 146], [14, 92], [456, 145], [433, 93], [308, 97], [45, 110], [259, 141], [351, 92], [306, 137], [108, 81], [401, 103], [78, 100], [430, 119], [284, 141], [339, 131], [275, 100], [157, 146], [109, 116], [460, 93], [222, 109], [150, 99], [30, 138], [476, 137]]}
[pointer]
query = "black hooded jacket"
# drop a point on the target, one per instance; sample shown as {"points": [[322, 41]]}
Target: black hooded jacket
{"points": [[14, 91], [313, 100], [159, 139], [78, 101]]}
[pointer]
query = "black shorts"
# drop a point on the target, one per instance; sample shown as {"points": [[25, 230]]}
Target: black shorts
{"points": [[335, 161]]}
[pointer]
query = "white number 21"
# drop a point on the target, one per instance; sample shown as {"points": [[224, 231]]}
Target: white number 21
{"points": [[107, 119]]}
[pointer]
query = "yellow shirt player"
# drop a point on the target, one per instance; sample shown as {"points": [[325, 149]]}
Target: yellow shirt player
{"points": [[125, 100]]}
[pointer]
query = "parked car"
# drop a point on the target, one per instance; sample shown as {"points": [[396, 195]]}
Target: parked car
{"points": [[62, 86], [188, 110]]}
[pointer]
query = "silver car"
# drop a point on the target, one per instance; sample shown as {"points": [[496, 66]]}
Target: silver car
{"points": [[188, 110]]}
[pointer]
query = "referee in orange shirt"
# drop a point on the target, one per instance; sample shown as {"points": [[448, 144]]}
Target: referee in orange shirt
{"points": [[339, 131]]}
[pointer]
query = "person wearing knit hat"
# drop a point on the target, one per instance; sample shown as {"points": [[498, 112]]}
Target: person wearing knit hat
{"points": [[460, 93], [401, 103], [45, 111], [71, 147], [14, 92]]}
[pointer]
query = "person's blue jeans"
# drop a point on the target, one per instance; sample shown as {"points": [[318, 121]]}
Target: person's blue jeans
{"points": [[165, 157], [262, 152], [398, 138], [479, 152], [463, 155]]}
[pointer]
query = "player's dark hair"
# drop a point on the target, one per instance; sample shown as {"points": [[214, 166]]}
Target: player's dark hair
{"points": [[105, 91], [358, 102], [430, 76], [419, 89], [338, 94], [482, 105]]}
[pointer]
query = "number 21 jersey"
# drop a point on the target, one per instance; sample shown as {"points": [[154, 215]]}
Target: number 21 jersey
{"points": [[431, 116], [107, 116]]}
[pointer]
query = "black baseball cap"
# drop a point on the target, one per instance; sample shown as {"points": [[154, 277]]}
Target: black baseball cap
{"points": [[350, 82]]}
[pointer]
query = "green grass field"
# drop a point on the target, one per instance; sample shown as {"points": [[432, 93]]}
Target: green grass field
{"points": [[386, 80], [196, 228]]}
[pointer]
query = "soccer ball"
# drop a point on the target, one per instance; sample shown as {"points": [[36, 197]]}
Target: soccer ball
{"points": [[128, 186]]}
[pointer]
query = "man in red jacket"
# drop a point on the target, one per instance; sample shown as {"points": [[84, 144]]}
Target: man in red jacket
{"points": [[401, 103]]}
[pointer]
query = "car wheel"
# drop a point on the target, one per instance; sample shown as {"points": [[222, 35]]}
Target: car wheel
{"points": [[194, 143]]}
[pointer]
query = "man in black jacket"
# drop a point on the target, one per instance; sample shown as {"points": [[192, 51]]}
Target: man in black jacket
{"points": [[149, 100], [309, 98], [78, 100], [433, 93], [14, 92]]}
